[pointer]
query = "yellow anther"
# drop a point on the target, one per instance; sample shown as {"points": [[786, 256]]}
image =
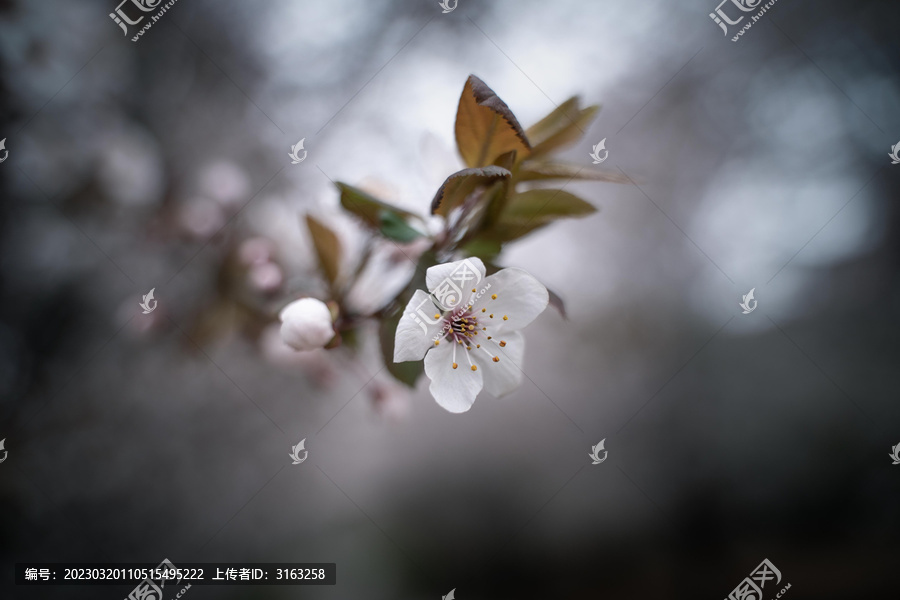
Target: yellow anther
{"points": [[505, 318], [471, 327], [502, 344], [473, 290], [474, 368], [437, 316], [491, 316], [478, 345], [437, 342], [489, 337], [483, 310], [496, 359], [493, 296], [455, 365]]}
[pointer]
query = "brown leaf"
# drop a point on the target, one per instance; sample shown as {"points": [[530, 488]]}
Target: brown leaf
{"points": [[458, 186], [485, 127], [327, 247]]}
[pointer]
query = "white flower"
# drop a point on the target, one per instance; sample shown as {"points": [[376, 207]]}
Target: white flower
{"points": [[306, 324], [467, 329]]}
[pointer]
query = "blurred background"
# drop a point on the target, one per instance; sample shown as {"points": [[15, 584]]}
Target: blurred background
{"points": [[732, 438]]}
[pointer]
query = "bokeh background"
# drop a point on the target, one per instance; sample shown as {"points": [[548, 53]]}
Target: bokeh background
{"points": [[732, 438]]}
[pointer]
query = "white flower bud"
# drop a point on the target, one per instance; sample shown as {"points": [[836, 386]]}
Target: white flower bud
{"points": [[306, 324]]}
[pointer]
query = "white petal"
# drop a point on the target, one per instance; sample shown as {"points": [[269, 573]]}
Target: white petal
{"points": [[520, 297], [416, 330], [453, 389], [452, 283], [501, 378]]}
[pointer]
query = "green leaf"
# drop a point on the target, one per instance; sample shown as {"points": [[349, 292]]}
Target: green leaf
{"points": [[395, 228], [456, 188], [562, 127], [546, 204], [538, 171], [484, 249], [485, 127], [367, 207], [327, 247], [509, 230], [531, 210]]}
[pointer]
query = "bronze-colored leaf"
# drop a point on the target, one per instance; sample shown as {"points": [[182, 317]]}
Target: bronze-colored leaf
{"points": [[536, 171], [507, 160], [563, 127], [458, 186], [486, 127], [327, 247], [559, 117]]}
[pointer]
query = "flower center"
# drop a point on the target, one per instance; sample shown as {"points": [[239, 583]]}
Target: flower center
{"points": [[464, 329]]}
